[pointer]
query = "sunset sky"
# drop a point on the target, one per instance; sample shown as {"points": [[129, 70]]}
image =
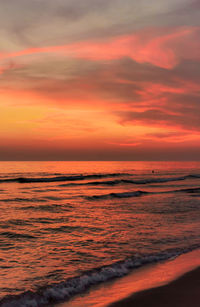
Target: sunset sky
{"points": [[99, 80]]}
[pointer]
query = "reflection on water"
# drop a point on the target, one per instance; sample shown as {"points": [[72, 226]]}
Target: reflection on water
{"points": [[52, 230]]}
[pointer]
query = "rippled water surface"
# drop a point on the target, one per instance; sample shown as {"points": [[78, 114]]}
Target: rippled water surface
{"points": [[92, 221]]}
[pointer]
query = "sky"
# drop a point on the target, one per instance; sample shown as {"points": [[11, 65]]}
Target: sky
{"points": [[99, 80]]}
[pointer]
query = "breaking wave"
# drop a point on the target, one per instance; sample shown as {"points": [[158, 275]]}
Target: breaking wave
{"points": [[140, 193], [67, 289]]}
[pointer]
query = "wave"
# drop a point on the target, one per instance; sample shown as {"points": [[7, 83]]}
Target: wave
{"points": [[62, 178], [49, 208], [18, 200], [118, 195], [191, 190], [194, 176], [140, 193], [98, 176], [56, 293], [14, 235], [127, 181]]}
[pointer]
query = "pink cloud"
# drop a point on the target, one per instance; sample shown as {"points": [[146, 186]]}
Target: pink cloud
{"points": [[160, 47], [163, 48]]}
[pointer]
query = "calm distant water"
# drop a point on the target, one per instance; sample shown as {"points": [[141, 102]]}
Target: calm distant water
{"points": [[67, 225]]}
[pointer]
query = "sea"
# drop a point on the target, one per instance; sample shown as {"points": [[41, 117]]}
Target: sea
{"points": [[67, 226]]}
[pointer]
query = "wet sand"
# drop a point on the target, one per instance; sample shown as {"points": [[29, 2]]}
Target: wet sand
{"points": [[183, 292], [158, 276]]}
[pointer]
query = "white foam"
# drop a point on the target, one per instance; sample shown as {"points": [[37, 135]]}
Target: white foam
{"points": [[76, 285]]}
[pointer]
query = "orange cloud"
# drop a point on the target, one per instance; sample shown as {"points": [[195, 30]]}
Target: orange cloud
{"points": [[123, 106], [126, 144], [8, 67]]}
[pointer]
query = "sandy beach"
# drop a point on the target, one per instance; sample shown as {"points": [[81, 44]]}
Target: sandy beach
{"points": [[175, 282], [183, 292]]}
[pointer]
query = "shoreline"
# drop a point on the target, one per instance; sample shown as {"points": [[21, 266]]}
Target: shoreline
{"points": [[182, 292], [144, 278]]}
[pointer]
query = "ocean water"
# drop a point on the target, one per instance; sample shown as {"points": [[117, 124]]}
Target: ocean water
{"points": [[65, 226]]}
